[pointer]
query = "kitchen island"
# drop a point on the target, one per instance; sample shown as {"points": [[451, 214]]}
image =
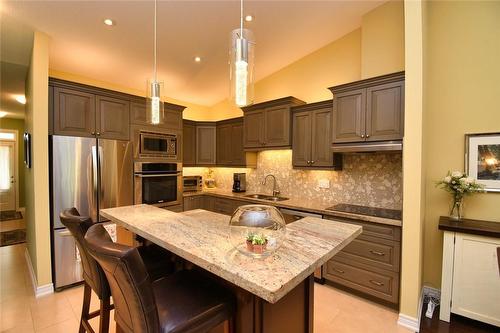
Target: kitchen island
{"points": [[274, 294]]}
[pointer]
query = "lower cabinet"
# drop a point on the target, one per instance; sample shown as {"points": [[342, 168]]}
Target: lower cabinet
{"points": [[370, 263], [213, 204]]}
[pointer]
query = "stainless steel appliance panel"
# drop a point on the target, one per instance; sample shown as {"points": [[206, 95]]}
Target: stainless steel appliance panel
{"points": [[68, 267], [74, 176], [116, 174], [192, 183], [158, 184]]}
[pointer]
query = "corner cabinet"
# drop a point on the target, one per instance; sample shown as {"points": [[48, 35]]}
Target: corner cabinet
{"points": [[206, 144], [189, 143], [312, 137], [268, 125], [470, 285], [370, 110], [230, 150]]}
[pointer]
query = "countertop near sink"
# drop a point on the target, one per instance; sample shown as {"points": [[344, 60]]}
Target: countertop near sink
{"points": [[295, 203]]}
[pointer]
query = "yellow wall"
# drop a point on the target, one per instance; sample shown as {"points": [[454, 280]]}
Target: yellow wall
{"points": [[192, 111], [37, 178], [383, 40], [17, 124], [413, 173], [462, 68]]}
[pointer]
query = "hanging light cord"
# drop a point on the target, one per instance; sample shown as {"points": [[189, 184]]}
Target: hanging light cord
{"points": [[241, 19], [155, 42]]}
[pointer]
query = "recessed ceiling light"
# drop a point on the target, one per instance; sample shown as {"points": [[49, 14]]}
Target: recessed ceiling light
{"points": [[109, 22], [3, 114], [20, 98], [197, 59], [249, 18]]}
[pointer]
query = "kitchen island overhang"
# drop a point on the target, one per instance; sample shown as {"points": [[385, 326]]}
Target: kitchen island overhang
{"points": [[269, 289]]}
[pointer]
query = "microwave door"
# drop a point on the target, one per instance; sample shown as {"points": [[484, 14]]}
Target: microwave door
{"points": [[116, 174]]}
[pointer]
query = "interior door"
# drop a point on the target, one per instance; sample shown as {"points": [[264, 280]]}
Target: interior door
{"points": [[7, 175], [115, 174]]}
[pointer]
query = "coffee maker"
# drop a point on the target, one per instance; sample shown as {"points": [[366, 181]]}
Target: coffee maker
{"points": [[239, 182]]}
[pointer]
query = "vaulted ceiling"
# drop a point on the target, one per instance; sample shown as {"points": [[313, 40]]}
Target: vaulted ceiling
{"points": [[121, 54]]}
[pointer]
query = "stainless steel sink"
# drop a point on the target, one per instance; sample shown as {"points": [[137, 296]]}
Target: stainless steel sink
{"points": [[265, 197]]}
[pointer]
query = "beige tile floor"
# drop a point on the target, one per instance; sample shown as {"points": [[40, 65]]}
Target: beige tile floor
{"points": [[21, 312]]}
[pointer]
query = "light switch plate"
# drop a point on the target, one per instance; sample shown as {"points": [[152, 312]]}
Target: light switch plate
{"points": [[324, 183]]}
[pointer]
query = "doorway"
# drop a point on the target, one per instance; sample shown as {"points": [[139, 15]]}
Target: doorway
{"points": [[9, 192]]}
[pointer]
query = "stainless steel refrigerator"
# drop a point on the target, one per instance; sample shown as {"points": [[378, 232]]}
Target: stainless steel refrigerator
{"points": [[89, 174]]}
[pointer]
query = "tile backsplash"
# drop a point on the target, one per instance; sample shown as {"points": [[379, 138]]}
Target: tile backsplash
{"points": [[366, 179]]}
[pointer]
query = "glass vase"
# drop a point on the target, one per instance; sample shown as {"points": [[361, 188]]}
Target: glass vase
{"points": [[457, 209]]}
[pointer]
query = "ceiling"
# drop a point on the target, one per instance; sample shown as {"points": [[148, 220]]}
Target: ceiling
{"points": [[15, 54], [81, 44]]}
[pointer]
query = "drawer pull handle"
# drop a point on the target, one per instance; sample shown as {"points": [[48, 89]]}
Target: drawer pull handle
{"points": [[380, 284], [338, 270], [377, 253]]}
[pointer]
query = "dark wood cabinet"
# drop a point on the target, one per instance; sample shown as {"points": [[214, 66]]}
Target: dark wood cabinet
{"points": [[193, 202], [112, 118], [206, 144], [370, 263], [268, 125], [189, 143], [311, 146], [224, 144], [171, 118], [74, 112], [230, 151], [369, 110]]}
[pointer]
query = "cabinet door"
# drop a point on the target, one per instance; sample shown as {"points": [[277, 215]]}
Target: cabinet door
{"points": [[205, 145], [476, 281], [301, 147], [224, 144], [138, 113], [189, 144], [113, 118], [254, 128], [321, 154], [349, 116], [277, 127], [238, 155], [385, 112], [172, 119], [74, 113]]}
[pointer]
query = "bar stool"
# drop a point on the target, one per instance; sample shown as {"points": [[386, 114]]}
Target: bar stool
{"points": [[158, 263], [179, 303]]}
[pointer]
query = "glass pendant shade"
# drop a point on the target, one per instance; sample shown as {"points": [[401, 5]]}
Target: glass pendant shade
{"points": [[241, 63], [154, 104]]}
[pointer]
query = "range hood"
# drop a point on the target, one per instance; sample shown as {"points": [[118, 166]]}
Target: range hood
{"points": [[362, 147]]}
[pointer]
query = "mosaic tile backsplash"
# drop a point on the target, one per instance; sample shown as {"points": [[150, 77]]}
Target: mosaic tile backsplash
{"points": [[366, 179]]}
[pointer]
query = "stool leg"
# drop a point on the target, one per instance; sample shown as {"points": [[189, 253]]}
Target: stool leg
{"points": [[104, 316], [229, 325], [87, 293]]}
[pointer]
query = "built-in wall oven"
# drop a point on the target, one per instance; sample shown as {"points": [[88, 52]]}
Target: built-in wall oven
{"points": [[158, 183]]}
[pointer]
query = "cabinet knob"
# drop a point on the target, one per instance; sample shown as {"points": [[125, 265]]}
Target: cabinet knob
{"points": [[308, 162], [377, 253], [312, 162], [380, 284], [368, 135], [93, 133], [98, 133], [363, 136]]}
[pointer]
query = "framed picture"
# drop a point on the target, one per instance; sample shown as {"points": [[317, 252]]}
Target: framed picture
{"points": [[482, 159], [27, 149]]}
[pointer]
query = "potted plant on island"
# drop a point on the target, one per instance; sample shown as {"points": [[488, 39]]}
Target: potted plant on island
{"points": [[459, 185], [256, 243]]}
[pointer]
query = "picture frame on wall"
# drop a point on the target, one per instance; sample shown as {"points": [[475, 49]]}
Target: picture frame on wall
{"points": [[27, 149], [482, 159]]}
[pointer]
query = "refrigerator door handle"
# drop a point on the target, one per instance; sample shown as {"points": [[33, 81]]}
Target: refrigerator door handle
{"points": [[94, 178], [101, 185]]}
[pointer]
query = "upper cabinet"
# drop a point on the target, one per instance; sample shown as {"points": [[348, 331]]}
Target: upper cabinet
{"points": [[73, 112], [189, 143], [311, 146], [230, 151], [370, 110], [112, 121], [206, 144], [268, 125], [171, 118]]}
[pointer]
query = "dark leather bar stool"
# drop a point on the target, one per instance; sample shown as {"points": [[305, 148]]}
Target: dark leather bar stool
{"points": [[180, 303], [158, 263]]}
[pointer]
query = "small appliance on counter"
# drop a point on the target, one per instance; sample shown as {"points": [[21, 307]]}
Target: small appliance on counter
{"points": [[239, 182], [209, 180], [192, 183]]}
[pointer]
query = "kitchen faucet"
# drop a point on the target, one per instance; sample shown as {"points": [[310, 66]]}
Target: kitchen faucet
{"points": [[276, 192]]}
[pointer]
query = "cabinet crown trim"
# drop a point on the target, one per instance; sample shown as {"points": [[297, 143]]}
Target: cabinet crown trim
{"points": [[313, 106], [388, 78], [290, 100]]}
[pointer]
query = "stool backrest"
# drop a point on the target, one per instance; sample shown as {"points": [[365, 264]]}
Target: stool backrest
{"points": [[133, 297], [92, 272]]}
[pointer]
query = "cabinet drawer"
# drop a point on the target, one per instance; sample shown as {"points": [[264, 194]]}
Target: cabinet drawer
{"points": [[378, 283], [373, 251], [372, 229]]}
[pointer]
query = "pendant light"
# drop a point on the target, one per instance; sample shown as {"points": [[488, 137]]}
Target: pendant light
{"points": [[154, 104], [241, 63]]}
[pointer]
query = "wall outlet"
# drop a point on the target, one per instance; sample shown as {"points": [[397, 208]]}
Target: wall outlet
{"points": [[324, 183]]}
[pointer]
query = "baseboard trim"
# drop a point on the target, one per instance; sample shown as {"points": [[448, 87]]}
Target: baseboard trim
{"points": [[409, 322], [39, 291]]}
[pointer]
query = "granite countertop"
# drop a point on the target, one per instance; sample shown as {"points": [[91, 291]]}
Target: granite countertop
{"points": [[201, 237], [296, 203]]}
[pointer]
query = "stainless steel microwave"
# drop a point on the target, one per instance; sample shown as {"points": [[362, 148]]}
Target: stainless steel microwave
{"points": [[157, 145]]}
